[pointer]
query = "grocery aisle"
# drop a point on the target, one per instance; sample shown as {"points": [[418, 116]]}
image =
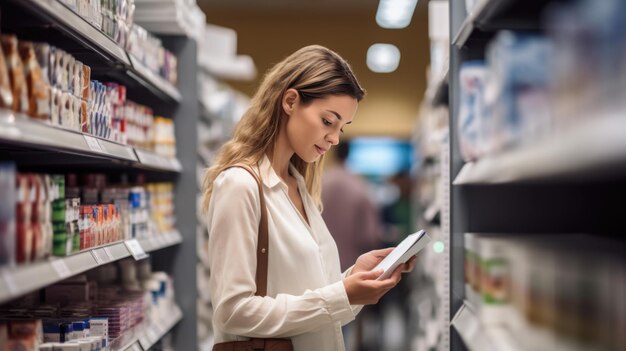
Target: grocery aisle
{"points": [[500, 131], [536, 144]]}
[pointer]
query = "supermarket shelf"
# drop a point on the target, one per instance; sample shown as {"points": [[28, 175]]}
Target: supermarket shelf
{"points": [[106, 57], [159, 85], [18, 128], [477, 337], [489, 16], [470, 25], [151, 160], [158, 242], [75, 26], [155, 331], [134, 346], [587, 148], [18, 281]]}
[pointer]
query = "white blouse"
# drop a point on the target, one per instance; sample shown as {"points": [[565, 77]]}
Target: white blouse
{"points": [[306, 299]]}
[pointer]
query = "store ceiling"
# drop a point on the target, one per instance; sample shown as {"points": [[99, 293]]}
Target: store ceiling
{"points": [[270, 30], [290, 5]]}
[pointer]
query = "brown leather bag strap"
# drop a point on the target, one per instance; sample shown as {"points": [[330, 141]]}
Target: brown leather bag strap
{"points": [[262, 250]]}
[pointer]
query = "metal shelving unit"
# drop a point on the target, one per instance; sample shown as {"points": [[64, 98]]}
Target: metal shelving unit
{"points": [[24, 279], [567, 184], [155, 331], [17, 129], [588, 147], [106, 57], [478, 337], [38, 146]]}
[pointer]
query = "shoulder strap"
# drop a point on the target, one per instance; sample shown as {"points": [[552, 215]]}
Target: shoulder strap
{"points": [[262, 250]]}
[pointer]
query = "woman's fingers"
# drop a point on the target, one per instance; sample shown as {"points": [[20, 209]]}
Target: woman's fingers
{"points": [[409, 265]]}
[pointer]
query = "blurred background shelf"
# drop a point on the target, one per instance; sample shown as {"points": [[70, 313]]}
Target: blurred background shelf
{"points": [[155, 331], [594, 147], [151, 160], [87, 43], [151, 81], [479, 338], [489, 16]]}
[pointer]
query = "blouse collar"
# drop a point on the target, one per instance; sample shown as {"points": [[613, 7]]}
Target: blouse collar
{"points": [[271, 179]]}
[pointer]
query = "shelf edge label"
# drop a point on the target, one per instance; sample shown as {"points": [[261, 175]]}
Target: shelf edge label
{"points": [[135, 249], [93, 143]]}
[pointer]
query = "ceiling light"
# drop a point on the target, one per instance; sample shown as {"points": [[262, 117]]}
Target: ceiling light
{"points": [[395, 14], [383, 58]]}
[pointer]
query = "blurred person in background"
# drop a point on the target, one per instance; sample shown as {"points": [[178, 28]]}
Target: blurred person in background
{"points": [[354, 222]]}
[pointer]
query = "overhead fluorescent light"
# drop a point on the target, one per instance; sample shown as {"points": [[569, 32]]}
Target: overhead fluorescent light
{"points": [[395, 14], [383, 58]]}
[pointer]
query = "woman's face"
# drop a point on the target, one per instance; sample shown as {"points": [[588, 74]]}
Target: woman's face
{"points": [[313, 128]]}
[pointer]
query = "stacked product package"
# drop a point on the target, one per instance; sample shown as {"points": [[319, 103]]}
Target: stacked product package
{"points": [[149, 50], [533, 87], [45, 215], [113, 17], [96, 311], [547, 292], [48, 84]]}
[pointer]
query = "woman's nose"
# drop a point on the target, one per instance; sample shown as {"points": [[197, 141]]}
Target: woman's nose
{"points": [[333, 138]]}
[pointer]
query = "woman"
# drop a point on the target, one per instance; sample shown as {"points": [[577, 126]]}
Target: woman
{"points": [[295, 117]]}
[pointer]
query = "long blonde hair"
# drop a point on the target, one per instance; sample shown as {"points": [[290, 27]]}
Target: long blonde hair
{"points": [[315, 72]]}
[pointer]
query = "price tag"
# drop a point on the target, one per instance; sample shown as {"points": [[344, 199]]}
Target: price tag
{"points": [[10, 282], [100, 257], [102, 146], [135, 249], [96, 257], [131, 152], [93, 143], [108, 253], [61, 268]]}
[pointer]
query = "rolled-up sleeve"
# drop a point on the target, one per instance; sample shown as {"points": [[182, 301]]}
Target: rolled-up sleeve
{"points": [[233, 221]]}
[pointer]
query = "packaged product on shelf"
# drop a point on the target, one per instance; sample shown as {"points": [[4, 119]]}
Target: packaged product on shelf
{"points": [[164, 137], [6, 93], [85, 84], [7, 214], [77, 79], [471, 268], [61, 245], [474, 124], [588, 59], [16, 73], [25, 334], [495, 280], [24, 237], [43, 53], [517, 87], [56, 96], [36, 81], [117, 96]]}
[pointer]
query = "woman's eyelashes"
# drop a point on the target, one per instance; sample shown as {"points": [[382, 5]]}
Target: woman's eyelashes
{"points": [[329, 123]]}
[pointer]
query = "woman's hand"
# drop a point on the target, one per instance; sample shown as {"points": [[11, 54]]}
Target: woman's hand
{"points": [[362, 287], [367, 261]]}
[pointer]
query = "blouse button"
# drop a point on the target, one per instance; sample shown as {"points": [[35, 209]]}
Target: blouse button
{"points": [[263, 250]]}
